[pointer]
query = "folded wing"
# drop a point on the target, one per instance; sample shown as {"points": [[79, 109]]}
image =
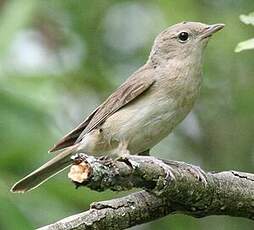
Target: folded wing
{"points": [[136, 85]]}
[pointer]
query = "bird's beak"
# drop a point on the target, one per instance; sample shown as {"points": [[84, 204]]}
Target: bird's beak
{"points": [[210, 30]]}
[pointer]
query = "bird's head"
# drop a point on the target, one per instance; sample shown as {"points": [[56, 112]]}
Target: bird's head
{"points": [[183, 40]]}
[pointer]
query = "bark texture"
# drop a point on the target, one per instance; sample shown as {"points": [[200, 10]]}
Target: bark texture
{"points": [[169, 187]]}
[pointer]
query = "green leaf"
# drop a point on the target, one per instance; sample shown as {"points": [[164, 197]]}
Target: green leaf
{"points": [[247, 19], [245, 45]]}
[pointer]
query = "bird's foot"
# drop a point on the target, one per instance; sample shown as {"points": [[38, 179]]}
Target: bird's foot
{"points": [[123, 155], [107, 161], [78, 158], [104, 158], [198, 173]]}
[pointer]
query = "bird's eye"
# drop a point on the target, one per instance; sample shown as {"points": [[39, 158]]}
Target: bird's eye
{"points": [[183, 37]]}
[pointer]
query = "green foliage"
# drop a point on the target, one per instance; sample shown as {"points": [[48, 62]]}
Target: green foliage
{"points": [[248, 44], [247, 19]]}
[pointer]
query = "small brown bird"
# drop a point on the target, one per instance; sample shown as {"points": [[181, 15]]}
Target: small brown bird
{"points": [[144, 109]]}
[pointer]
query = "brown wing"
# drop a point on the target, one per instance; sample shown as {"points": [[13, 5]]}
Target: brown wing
{"points": [[127, 92], [71, 137]]}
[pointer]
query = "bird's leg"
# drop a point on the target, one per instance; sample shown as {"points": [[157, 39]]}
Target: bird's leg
{"points": [[122, 151], [120, 154]]}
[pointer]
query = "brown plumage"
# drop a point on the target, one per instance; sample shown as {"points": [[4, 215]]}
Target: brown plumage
{"points": [[127, 92], [144, 109]]}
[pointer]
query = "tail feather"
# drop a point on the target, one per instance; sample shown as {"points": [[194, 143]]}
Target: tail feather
{"points": [[46, 171]]}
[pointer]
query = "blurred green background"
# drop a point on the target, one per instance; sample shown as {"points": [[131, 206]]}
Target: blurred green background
{"points": [[59, 59]]}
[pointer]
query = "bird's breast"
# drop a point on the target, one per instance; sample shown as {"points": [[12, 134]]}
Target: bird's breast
{"points": [[152, 116]]}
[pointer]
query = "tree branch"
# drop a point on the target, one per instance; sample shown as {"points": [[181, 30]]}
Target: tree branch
{"points": [[170, 187]]}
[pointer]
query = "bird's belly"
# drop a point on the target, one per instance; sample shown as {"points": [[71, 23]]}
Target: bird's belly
{"points": [[151, 131], [143, 125]]}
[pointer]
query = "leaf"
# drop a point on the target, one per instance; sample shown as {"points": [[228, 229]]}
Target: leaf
{"points": [[247, 19], [245, 45]]}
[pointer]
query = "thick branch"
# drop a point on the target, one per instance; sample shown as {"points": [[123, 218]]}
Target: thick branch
{"points": [[170, 187]]}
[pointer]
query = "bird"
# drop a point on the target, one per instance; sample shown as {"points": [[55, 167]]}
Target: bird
{"points": [[144, 109]]}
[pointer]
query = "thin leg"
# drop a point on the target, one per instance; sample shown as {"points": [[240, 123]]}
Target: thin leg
{"points": [[122, 149]]}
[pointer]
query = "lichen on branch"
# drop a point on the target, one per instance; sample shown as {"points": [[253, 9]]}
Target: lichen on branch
{"points": [[169, 187]]}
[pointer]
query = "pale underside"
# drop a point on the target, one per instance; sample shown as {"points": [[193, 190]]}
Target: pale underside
{"points": [[136, 118]]}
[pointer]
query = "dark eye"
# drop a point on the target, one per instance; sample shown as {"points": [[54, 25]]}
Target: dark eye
{"points": [[183, 36]]}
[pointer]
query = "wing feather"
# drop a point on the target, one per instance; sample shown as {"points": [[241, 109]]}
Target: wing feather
{"points": [[71, 137], [137, 84], [124, 95]]}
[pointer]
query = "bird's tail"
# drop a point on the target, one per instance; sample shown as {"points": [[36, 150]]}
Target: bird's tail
{"points": [[49, 169]]}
